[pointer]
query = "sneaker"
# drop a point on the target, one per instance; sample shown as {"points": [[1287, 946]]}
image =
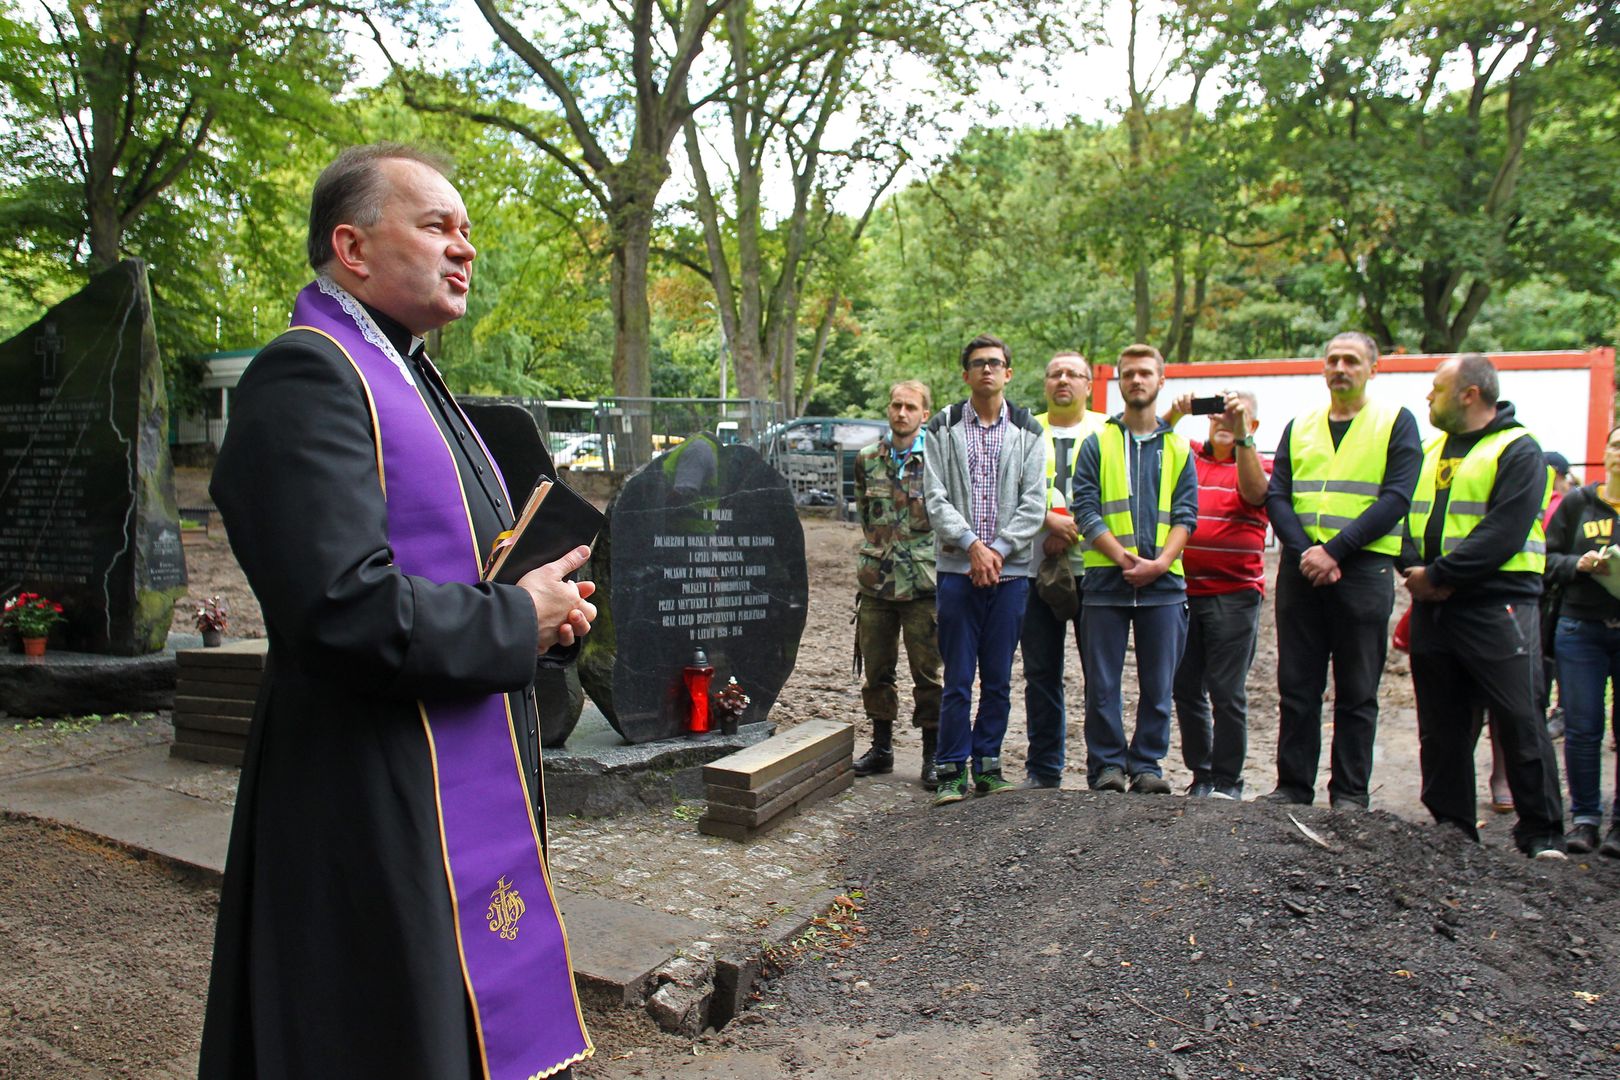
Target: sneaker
{"points": [[1234, 792], [1146, 783], [1200, 789], [991, 782], [1346, 803], [1280, 797], [1037, 782], [1611, 843], [953, 785], [1110, 779], [1544, 849], [1583, 838]]}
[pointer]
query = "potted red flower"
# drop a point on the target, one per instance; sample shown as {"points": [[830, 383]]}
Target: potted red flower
{"points": [[30, 616], [212, 619]]}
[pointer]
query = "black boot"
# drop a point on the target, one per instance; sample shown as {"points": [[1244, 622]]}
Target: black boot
{"points": [[930, 771], [879, 759]]}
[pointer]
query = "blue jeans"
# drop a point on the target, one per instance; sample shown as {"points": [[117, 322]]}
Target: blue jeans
{"points": [[1588, 657], [978, 631], [1044, 644], [1161, 633]]}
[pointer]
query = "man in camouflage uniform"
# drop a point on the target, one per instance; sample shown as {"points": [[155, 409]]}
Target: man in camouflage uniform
{"points": [[895, 573]]}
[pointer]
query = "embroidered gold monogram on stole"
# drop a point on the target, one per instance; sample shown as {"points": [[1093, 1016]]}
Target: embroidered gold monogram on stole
{"points": [[506, 907]]}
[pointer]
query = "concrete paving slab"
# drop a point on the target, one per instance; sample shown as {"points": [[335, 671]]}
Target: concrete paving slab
{"points": [[188, 833], [616, 946], [130, 799]]}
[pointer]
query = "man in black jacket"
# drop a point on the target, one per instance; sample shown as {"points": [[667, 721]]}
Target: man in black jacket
{"points": [[393, 748], [1473, 562]]}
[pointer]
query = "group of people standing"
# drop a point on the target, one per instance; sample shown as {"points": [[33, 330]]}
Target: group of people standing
{"points": [[989, 529]]}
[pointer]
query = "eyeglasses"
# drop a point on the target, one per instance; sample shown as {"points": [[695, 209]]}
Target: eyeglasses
{"points": [[991, 363], [1075, 375]]}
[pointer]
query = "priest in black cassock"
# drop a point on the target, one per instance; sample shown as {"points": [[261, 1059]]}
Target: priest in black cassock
{"points": [[387, 909]]}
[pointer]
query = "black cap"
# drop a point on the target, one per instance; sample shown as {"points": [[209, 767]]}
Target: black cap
{"points": [[1557, 462]]}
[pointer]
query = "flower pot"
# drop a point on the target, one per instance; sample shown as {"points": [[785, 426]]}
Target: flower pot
{"points": [[213, 638], [33, 646]]}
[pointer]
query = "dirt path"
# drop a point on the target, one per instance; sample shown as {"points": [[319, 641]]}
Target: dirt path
{"points": [[1072, 934], [1033, 935]]}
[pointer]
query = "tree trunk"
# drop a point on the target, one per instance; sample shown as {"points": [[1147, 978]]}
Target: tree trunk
{"points": [[1200, 294], [632, 321], [823, 333]]}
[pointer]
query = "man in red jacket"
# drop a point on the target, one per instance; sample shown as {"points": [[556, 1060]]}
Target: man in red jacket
{"points": [[1226, 580]]}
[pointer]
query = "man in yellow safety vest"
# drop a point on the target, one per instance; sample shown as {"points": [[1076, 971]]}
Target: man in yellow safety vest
{"points": [[1136, 504], [1043, 641], [1341, 484], [1473, 562]]}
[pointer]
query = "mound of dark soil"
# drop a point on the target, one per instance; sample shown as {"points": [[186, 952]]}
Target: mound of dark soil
{"points": [[1130, 936]]}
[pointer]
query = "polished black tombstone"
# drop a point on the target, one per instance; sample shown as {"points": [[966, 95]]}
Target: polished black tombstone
{"points": [[703, 549], [514, 440], [87, 508]]}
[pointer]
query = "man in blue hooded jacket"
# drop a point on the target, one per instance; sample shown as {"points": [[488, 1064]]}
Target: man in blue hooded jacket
{"points": [[1136, 505]]}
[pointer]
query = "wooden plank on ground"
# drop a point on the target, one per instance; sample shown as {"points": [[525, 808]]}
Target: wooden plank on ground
{"points": [[214, 755], [238, 654], [230, 725], [788, 799], [212, 706], [749, 799], [187, 687], [730, 830], [235, 676], [204, 737], [758, 765]]}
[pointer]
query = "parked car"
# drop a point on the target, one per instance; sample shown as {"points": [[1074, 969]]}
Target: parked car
{"points": [[798, 449]]}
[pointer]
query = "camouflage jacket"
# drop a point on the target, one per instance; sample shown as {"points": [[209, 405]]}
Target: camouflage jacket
{"points": [[897, 556]]}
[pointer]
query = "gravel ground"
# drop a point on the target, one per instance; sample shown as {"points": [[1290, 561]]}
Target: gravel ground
{"points": [[1133, 936], [1036, 934]]}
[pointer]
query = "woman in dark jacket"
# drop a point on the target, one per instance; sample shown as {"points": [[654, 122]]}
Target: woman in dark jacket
{"points": [[1587, 643]]}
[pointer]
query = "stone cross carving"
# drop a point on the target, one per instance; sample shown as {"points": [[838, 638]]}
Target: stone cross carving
{"points": [[48, 347]]}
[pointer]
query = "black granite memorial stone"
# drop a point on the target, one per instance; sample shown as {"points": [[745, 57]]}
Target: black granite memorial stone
{"points": [[87, 509], [706, 553]]}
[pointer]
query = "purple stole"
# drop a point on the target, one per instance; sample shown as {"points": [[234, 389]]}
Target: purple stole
{"points": [[514, 955]]}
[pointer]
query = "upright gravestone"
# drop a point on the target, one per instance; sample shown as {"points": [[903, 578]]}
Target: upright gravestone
{"points": [[520, 450], [703, 550], [87, 510]]}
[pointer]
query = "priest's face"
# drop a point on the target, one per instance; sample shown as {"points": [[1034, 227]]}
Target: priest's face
{"points": [[417, 259]]}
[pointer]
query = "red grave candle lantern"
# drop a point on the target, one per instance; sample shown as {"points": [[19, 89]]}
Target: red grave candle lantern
{"points": [[697, 676]]}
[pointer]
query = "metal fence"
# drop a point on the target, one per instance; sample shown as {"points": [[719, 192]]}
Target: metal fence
{"points": [[624, 433]]}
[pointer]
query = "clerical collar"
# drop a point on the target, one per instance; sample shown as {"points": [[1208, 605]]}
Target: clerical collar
{"points": [[400, 338]]}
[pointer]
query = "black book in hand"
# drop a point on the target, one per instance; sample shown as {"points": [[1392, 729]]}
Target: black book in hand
{"points": [[555, 521]]}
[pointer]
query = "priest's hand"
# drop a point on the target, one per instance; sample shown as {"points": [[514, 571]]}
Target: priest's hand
{"points": [[561, 609]]}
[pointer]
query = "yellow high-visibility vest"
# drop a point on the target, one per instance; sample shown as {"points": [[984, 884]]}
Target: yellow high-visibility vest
{"points": [[1471, 487], [1114, 488], [1335, 485], [1091, 423]]}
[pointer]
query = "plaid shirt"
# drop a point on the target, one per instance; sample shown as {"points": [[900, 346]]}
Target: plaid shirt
{"points": [[984, 461]]}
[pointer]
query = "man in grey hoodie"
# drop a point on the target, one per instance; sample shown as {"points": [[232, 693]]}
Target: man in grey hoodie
{"points": [[1136, 505], [985, 484]]}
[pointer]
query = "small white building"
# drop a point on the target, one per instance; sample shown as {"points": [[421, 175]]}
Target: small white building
{"points": [[206, 427]]}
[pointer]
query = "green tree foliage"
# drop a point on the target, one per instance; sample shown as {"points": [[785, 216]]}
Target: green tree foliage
{"points": [[136, 130], [1435, 146]]}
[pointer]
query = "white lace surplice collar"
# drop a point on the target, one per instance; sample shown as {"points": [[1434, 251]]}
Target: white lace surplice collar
{"points": [[367, 325]]}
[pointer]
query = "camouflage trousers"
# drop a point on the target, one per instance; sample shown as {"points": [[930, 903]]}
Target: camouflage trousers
{"points": [[880, 625]]}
